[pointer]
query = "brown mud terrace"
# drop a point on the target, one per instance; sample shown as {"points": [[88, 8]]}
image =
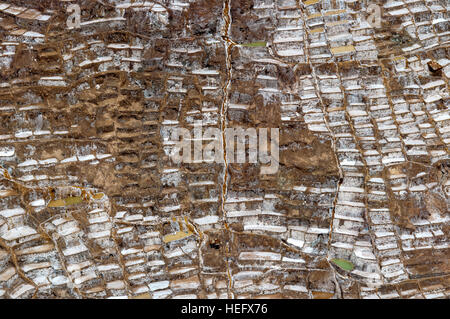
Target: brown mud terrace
{"points": [[93, 206]]}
